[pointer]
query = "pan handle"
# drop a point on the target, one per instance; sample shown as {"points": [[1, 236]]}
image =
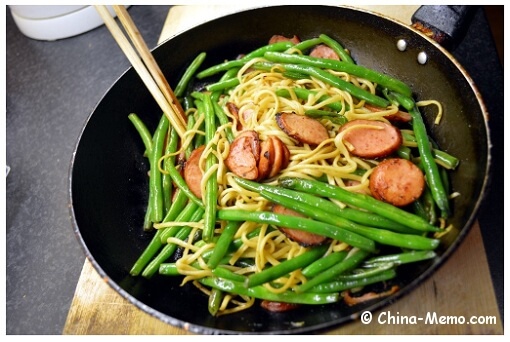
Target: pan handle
{"points": [[447, 25]]}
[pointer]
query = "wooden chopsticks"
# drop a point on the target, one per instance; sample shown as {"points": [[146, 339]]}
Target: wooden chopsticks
{"points": [[145, 65]]}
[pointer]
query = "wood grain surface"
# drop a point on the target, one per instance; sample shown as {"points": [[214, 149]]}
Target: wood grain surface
{"points": [[461, 287]]}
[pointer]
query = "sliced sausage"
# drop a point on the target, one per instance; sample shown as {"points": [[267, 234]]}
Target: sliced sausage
{"points": [[266, 158], [279, 38], [192, 173], [324, 51], [399, 116], [397, 181], [302, 128], [278, 306], [301, 237], [371, 142], [244, 155], [281, 156]]}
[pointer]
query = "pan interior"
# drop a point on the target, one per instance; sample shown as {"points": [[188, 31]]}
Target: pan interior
{"points": [[108, 176]]}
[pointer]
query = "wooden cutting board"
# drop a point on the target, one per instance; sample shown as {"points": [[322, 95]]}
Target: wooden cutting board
{"points": [[462, 287]]}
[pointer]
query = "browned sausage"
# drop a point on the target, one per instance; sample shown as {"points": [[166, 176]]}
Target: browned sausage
{"points": [[279, 38], [278, 306], [368, 142], [324, 51], [399, 116], [397, 181], [192, 173], [301, 237], [302, 128], [278, 157], [266, 158], [244, 155]]}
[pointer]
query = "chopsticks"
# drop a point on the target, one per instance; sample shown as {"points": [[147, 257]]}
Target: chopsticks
{"points": [[145, 65]]}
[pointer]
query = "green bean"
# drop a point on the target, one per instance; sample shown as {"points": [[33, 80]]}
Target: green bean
{"points": [[223, 119], [335, 81], [166, 180], [215, 299], [223, 243], [347, 264], [355, 215], [190, 124], [143, 131], [400, 258], [337, 47], [346, 284], [286, 267], [168, 269], [324, 263], [211, 187], [353, 69], [146, 136], [306, 44], [223, 85], [229, 74], [323, 114], [404, 152], [367, 271], [261, 292], [224, 273], [427, 159], [379, 235], [155, 185], [280, 46], [302, 93], [188, 74], [308, 225], [404, 100], [360, 201], [442, 158]]}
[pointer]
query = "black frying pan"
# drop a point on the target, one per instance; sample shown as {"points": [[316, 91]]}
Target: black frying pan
{"points": [[108, 180]]}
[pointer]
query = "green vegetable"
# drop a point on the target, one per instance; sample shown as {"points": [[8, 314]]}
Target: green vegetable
{"points": [[324, 263], [155, 179], [261, 292], [223, 243], [360, 201], [188, 74], [382, 236], [337, 47], [432, 174], [308, 225], [347, 264], [353, 69], [285, 267], [211, 187]]}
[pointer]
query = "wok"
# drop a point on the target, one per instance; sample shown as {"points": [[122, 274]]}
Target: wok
{"points": [[108, 183]]}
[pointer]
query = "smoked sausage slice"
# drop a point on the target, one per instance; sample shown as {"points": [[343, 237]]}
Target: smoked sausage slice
{"points": [[302, 128], [266, 158], [324, 51], [397, 181], [278, 306], [378, 141], [279, 38], [192, 173], [303, 238], [244, 155]]}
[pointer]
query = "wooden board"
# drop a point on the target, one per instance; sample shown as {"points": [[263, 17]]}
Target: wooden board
{"points": [[461, 288]]}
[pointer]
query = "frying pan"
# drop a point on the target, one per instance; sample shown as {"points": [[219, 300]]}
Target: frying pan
{"points": [[108, 183]]}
